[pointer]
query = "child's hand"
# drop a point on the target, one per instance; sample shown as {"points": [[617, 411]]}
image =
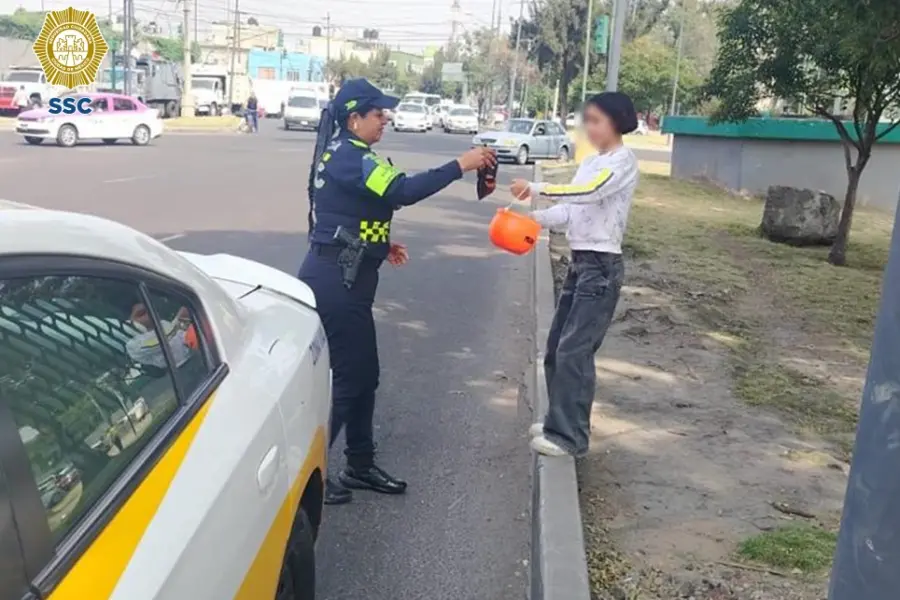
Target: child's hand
{"points": [[519, 189]]}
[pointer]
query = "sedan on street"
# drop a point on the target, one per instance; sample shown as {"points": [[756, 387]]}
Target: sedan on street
{"points": [[522, 140], [461, 119], [113, 117], [411, 117]]}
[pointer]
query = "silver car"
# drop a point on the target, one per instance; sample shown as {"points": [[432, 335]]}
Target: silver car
{"points": [[525, 139]]}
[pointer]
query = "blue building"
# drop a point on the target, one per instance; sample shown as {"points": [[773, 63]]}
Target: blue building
{"points": [[285, 66]]}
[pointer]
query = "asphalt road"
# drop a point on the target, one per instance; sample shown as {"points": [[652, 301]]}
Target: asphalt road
{"points": [[453, 328]]}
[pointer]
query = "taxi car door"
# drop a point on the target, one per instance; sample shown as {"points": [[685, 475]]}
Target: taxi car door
{"points": [[124, 118], [13, 579], [132, 481], [96, 124]]}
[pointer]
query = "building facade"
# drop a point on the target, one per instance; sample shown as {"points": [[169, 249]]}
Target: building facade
{"points": [[285, 66]]}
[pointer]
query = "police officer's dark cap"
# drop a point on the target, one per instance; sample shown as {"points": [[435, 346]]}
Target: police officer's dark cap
{"points": [[358, 94]]}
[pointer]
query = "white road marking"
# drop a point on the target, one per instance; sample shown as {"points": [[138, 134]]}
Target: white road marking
{"points": [[126, 179], [170, 238]]}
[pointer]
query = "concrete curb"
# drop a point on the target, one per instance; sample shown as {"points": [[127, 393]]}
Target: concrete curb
{"points": [[558, 561]]}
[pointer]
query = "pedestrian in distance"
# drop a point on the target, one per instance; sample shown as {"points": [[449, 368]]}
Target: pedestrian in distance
{"points": [[593, 209], [353, 194], [21, 99], [253, 112]]}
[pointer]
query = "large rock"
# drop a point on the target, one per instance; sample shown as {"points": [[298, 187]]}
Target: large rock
{"points": [[800, 217]]}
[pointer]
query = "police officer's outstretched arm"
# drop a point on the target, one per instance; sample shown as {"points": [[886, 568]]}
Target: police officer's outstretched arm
{"points": [[381, 178]]}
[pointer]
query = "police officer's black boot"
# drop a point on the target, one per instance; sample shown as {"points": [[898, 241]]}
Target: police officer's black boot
{"points": [[368, 476], [335, 493]]}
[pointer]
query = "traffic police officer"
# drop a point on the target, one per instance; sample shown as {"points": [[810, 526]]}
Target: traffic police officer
{"points": [[353, 196]]}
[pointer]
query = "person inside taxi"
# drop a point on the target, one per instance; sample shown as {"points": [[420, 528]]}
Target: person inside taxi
{"points": [[144, 348]]}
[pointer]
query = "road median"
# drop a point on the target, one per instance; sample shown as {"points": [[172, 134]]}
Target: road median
{"points": [[224, 124], [559, 566]]}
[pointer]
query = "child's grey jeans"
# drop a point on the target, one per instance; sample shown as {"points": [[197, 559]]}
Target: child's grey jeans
{"points": [[584, 312]]}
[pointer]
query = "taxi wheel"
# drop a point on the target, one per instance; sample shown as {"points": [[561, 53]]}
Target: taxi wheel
{"points": [[67, 136], [141, 135], [298, 569]]}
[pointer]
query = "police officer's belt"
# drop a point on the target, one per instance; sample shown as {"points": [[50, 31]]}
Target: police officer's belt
{"points": [[333, 250]]}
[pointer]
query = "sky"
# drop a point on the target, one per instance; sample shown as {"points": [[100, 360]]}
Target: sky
{"points": [[408, 24]]}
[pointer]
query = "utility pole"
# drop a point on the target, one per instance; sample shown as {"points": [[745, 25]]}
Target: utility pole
{"points": [[615, 46], [235, 44], [515, 65], [868, 547], [327, 38], [678, 59], [454, 23], [196, 22], [588, 32], [187, 96], [126, 47]]}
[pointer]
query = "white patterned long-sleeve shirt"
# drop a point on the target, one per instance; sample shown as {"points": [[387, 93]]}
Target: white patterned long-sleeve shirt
{"points": [[594, 207]]}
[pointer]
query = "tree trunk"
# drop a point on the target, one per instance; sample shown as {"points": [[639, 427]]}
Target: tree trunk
{"points": [[564, 97], [838, 254]]}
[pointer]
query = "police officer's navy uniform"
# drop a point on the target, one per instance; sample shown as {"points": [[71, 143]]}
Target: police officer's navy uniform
{"points": [[359, 191]]}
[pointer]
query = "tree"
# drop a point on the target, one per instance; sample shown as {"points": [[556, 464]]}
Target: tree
{"points": [[252, 21], [648, 73], [342, 69], [815, 51], [486, 60], [21, 25], [560, 27], [380, 70]]}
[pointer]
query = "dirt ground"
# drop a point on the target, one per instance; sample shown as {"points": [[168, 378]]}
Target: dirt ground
{"points": [[726, 403]]}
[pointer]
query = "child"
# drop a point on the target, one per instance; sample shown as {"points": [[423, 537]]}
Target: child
{"points": [[594, 209]]}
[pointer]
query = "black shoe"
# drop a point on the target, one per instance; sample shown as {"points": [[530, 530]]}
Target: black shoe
{"points": [[335, 493], [371, 478]]}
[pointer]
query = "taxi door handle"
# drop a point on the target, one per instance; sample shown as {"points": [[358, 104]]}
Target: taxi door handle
{"points": [[268, 469]]}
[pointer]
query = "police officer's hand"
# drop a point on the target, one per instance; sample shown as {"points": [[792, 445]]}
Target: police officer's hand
{"points": [[397, 255], [519, 189], [477, 158]]}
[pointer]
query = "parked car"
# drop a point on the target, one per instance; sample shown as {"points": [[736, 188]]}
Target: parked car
{"points": [[572, 121], [461, 119], [411, 117], [112, 318], [113, 117], [525, 139]]}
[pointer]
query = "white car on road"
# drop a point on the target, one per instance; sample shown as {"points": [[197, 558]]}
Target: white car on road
{"points": [[461, 119], [216, 492], [113, 117], [411, 117]]}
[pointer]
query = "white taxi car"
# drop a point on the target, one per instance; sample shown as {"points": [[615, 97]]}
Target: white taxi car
{"points": [[411, 117], [165, 418], [113, 117], [461, 119]]}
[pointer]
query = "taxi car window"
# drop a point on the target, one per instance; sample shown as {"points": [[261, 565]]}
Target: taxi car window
{"points": [[123, 104], [100, 104], [186, 341], [83, 404]]}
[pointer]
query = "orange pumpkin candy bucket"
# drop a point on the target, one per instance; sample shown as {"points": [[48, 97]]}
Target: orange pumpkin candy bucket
{"points": [[514, 232]]}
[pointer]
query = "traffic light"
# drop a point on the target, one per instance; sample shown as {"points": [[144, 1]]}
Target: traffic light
{"points": [[601, 35]]}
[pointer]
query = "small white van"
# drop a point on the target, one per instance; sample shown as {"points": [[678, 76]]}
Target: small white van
{"points": [[302, 111]]}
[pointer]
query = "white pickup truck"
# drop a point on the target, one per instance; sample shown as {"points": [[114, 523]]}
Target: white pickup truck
{"points": [[35, 83], [209, 94]]}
